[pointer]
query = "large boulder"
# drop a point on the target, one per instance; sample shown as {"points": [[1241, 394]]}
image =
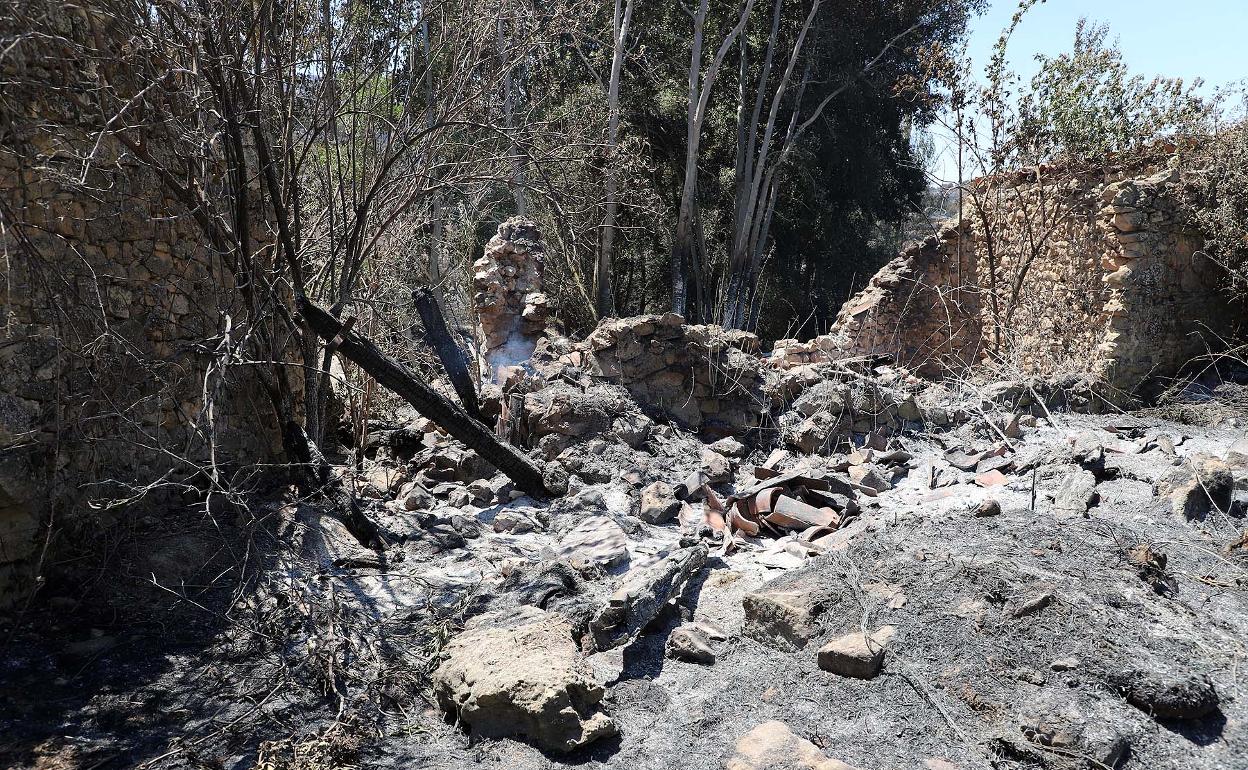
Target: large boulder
{"points": [[521, 675]]}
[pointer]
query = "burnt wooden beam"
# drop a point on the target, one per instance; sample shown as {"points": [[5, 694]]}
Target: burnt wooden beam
{"points": [[521, 469], [450, 354]]}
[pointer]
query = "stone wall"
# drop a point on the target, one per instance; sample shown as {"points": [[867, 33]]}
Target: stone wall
{"points": [[704, 377], [111, 312], [1049, 271], [919, 309], [511, 308]]}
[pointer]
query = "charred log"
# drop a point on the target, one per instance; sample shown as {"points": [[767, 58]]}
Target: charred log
{"points": [[450, 354], [525, 472]]}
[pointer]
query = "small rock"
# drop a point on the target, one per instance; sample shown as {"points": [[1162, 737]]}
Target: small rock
{"points": [[855, 654], [1088, 450], [1164, 444], [1076, 493], [773, 746], [516, 522], [994, 463], [658, 503], [481, 491], [869, 476], [964, 460], [1237, 454], [596, 541], [1033, 605], [692, 642], [717, 468], [415, 497], [988, 507], [445, 535], [1064, 664], [632, 429], [729, 447]]}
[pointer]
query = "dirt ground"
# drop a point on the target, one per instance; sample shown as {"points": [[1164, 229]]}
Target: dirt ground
{"points": [[1020, 637]]}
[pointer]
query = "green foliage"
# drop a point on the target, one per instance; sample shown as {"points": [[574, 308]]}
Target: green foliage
{"points": [[853, 176], [1086, 103]]}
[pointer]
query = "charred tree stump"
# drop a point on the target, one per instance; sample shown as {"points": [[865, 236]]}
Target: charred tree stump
{"points": [[392, 375], [443, 344], [511, 419], [317, 477]]}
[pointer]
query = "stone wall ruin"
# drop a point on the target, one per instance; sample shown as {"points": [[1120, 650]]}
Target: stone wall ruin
{"points": [[111, 310], [1095, 271], [511, 308]]}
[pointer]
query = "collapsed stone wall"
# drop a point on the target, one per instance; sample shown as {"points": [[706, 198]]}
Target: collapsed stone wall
{"points": [[110, 309], [920, 309], [705, 377], [1048, 272]]}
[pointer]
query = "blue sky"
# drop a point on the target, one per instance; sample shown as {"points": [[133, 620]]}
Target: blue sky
{"points": [[1191, 39], [1177, 38]]}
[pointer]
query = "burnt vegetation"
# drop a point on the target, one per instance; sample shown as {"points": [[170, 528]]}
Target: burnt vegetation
{"points": [[436, 383]]}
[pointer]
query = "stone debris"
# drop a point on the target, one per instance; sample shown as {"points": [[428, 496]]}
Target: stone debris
{"points": [[1077, 492], [522, 676], [517, 522], [596, 541], [988, 507], [658, 503], [787, 612], [773, 746], [692, 642], [1198, 487], [729, 447], [856, 655], [703, 377], [642, 595]]}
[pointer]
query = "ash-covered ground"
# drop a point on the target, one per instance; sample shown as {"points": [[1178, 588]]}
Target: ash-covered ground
{"points": [[1010, 590]]}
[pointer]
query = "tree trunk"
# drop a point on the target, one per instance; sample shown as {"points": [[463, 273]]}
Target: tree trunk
{"points": [[526, 473], [517, 165], [684, 253], [606, 294]]}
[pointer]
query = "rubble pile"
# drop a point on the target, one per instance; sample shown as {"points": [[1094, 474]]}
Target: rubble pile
{"points": [[843, 408], [705, 378], [959, 572]]}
